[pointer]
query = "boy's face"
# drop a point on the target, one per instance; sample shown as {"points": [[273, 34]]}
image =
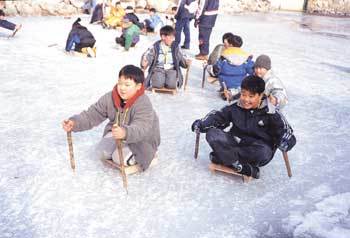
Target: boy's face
{"points": [[127, 87], [226, 44], [250, 100], [167, 39], [260, 72]]}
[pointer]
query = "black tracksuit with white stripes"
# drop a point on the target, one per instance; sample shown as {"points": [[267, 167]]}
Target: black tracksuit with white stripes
{"points": [[253, 137]]}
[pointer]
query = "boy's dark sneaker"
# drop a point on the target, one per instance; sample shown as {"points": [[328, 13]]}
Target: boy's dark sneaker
{"points": [[250, 170], [184, 47], [213, 158]]}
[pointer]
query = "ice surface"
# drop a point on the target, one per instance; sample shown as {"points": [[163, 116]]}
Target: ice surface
{"points": [[40, 86]]}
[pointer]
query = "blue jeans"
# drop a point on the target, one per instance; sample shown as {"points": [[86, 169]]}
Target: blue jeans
{"points": [[183, 24]]}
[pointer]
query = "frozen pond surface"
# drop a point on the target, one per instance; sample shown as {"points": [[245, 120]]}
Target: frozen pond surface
{"points": [[40, 86]]}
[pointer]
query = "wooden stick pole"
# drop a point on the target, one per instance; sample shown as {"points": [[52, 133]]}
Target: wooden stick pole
{"points": [[204, 73], [286, 161], [186, 77], [196, 148], [70, 146], [121, 163]]}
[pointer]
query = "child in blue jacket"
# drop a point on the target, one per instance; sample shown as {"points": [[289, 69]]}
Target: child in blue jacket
{"points": [[233, 65], [152, 23]]}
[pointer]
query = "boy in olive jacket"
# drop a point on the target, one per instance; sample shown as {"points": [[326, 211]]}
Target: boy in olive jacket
{"points": [[131, 116]]}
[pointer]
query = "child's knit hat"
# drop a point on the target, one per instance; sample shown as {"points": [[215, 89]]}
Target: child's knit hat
{"points": [[263, 61]]}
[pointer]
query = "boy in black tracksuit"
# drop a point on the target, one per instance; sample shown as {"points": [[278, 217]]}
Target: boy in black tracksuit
{"points": [[256, 132]]}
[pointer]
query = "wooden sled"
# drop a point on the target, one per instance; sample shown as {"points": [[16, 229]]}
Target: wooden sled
{"points": [[129, 169], [164, 90], [217, 167]]}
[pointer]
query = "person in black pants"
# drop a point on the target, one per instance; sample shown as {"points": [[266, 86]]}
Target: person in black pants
{"points": [[205, 20], [256, 130], [80, 37], [7, 24]]}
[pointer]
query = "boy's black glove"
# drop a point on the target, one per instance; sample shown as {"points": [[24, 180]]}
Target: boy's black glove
{"points": [[287, 143], [197, 126]]}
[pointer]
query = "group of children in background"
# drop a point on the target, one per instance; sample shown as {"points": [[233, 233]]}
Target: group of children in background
{"points": [[257, 127]]}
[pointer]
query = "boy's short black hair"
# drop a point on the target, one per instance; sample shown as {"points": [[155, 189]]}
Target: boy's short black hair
{"points": [[227, 36], [167, 31], [237, 41], [253, 84], [132, 72], [234, 40], [2, 13], [153, 10]]}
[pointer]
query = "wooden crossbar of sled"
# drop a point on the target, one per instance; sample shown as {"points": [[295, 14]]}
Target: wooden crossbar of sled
{"points": [[129, 169], [216, 167], [164, 90], [174, 90]]}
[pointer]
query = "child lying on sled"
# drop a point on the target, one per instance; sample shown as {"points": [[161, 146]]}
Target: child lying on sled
{"points": [[255, 134], [131, 118], [8, 25]]}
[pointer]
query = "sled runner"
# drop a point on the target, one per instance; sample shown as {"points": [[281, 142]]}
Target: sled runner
{"points": [[213, 57], [217, 167], [129, 169], [165, 90]]}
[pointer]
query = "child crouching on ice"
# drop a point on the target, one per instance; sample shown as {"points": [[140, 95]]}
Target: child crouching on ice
{"points": [[131, 116], [255, 134]]}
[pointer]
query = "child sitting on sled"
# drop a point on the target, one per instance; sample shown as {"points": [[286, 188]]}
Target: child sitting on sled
{"points": [[233, 65], [130, 36], [8, 25], [164, 60], [131, 119], [255, 131]]}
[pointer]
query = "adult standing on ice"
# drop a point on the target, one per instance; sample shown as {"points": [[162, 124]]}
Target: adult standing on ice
{"points": [[205, 20], [131, 116]]}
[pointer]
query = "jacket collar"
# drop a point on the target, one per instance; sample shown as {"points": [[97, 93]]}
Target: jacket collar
{"points": [[118, 101]]}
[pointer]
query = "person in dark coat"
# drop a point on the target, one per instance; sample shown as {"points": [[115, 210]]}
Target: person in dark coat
{"points": [[205, 20], [255, 133], [97, 14], [7, 24], [133, 17], [79, 37], [183, 17]]}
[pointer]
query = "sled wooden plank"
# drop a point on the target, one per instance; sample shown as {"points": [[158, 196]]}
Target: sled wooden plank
{"points": [[217, 167], [165, 90], [129, 169]]}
